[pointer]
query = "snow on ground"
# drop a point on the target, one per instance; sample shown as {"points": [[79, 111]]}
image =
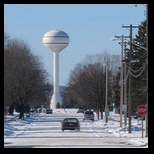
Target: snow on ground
{"points": [[112, 126]]}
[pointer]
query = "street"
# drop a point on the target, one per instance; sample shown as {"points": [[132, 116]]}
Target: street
{"points": [[45, 132]]}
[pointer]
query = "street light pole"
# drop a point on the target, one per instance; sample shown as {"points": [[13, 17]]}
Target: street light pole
{"points": [[121, 82], [121, 77]]}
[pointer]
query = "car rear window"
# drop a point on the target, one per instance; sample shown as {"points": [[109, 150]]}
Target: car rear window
{"points": [[89, 112], [49, 110], [70, 120]]}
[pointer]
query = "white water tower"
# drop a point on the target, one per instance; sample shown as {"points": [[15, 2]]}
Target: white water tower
{"points": [[56, 41]]}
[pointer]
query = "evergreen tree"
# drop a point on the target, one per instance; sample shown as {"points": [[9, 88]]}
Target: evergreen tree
{"points": [[138, 67]]}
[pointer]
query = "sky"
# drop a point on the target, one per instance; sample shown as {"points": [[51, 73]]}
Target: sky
{"points": [[90, 28], [15, 129]]}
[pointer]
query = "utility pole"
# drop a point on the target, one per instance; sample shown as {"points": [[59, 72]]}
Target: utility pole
{"points": [[125, 85], [121, 77], [130, 77]]}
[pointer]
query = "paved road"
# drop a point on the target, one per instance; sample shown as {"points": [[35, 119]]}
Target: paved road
{"points": [[45, 132], [61, 142]]}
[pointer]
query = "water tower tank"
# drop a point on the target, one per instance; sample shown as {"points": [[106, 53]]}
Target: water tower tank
{"points": [[56, 40]]}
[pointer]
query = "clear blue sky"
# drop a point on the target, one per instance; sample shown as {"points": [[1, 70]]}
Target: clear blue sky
{"points": [[89, 26]]}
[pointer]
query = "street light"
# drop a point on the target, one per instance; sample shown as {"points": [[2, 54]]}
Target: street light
{"points": [[121, 77]]}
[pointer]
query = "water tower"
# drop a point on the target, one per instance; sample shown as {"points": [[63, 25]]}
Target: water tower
{"points": [[56, 41]]}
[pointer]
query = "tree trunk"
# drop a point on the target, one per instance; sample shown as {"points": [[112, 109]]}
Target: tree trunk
{"points": [[102, 114], [21, 115], [11, 109]]}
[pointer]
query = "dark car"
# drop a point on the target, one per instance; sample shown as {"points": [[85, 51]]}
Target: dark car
{"points": [[49, 111], [135, 115], [70, 124], [88, 115]]}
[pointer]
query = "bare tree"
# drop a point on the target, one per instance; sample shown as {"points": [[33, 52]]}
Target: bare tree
{"points": [[87, 83], [25, 80], [6, 37]]}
